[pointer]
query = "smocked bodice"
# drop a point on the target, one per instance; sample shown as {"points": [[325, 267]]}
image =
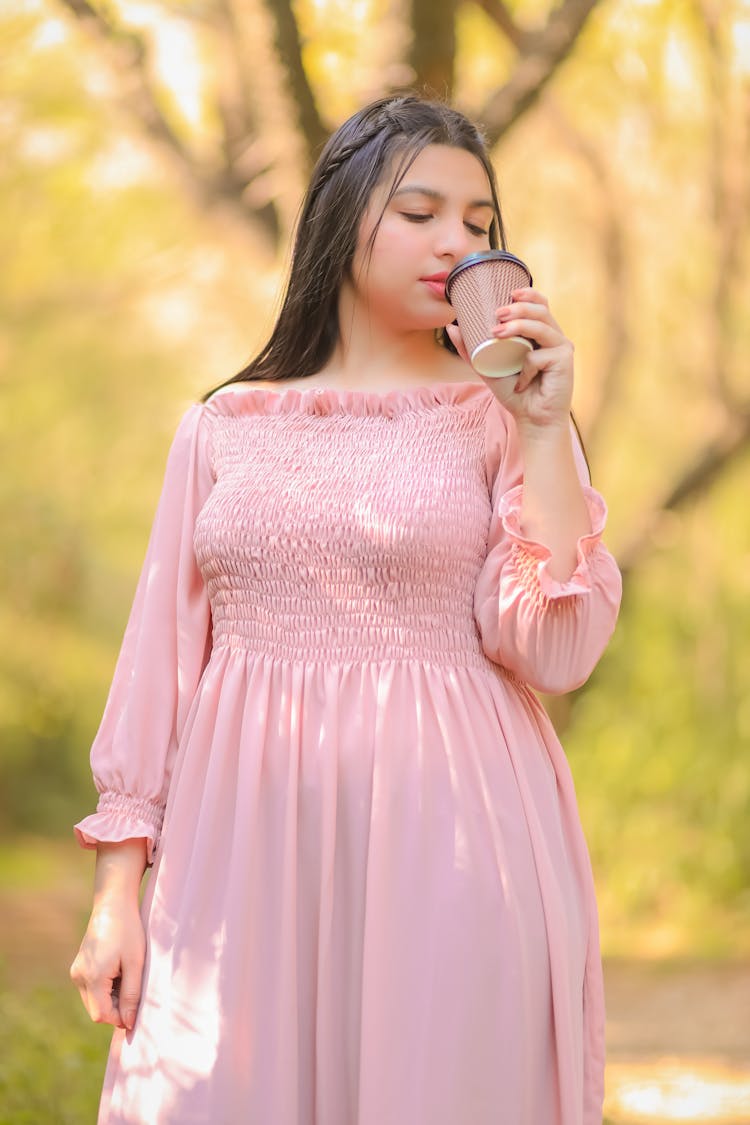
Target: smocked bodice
{"points": [[347, 527]]}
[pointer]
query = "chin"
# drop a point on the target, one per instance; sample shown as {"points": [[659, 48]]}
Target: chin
{"points": [[434, 319], [440, 315]]}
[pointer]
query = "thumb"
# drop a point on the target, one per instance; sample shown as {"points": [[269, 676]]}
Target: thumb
{"points": [[454, 332], [130, 991]]}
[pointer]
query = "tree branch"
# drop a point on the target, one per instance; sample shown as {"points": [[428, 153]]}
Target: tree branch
{"points": [[616, 340], [696, 478], [234, 102], [243, 153], [542, 53], [127, 53], [726, 150], [289, 47], [502, 18]]}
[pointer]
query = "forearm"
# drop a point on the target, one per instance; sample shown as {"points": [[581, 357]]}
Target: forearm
{"points": [[554, 510], [119, 870]]}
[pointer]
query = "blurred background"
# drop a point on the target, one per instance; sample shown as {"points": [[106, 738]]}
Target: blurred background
{"points": [[154, 153]]}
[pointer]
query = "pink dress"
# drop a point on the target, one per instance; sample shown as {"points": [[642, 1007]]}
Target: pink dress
{"points": [[371, 901]]}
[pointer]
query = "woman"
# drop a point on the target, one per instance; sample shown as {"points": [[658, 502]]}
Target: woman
{"points": [[370, 900]]}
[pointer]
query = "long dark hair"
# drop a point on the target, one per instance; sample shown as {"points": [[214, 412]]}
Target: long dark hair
{"points": [[386, 135]]}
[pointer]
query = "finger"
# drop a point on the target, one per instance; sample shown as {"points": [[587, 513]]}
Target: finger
{"points": [[527, 374], [527, 293], [527, 310], [130, 991], [537, 363], [96, 992], [454, 333], [526, 377], [544, 334], [106, 997], [99, 1004]]}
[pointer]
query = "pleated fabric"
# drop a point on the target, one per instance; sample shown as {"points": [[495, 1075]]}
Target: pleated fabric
{"points": [[371, 901]]}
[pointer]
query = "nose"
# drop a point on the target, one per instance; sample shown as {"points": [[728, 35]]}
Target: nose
{"points": [[452, 238]]}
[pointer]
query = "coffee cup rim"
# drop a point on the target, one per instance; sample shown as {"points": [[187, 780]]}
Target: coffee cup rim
{"points": [[483, 256]]}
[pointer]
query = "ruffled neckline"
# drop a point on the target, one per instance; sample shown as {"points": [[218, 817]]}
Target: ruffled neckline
{"points": [[245, 398]]}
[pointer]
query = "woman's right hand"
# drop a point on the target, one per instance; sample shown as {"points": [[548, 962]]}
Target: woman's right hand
{"points": [[109, 965]]}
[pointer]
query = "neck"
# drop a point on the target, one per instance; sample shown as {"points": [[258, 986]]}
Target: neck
{"points": [[369, 352]]}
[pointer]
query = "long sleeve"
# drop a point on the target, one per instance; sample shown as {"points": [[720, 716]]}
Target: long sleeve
{"points": [[164, 651], [548, 633]]}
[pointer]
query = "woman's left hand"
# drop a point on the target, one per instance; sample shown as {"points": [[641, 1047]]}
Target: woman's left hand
{"points": [[541, 394]]}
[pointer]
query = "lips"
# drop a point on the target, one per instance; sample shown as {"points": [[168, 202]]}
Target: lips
{"points": [[436, 282]]}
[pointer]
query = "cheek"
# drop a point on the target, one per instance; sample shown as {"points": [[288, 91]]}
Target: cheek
{"points": [[394, 250]]}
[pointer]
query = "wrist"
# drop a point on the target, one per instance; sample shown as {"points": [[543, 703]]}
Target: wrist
{"points": [[553, 434], [119, 871], [124, 911]]}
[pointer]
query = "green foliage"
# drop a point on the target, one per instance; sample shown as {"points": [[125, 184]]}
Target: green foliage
{"points": [[660, 746], [105, 339], [51, 1058], [122, 301]]}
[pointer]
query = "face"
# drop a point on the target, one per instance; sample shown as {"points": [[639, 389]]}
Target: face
{"points": [[441, 211]]}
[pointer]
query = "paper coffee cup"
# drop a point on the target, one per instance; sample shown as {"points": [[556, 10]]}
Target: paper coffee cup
{"points": [[476, 287]]}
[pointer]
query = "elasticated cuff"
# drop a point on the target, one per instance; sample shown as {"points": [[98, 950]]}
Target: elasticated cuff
{"points": [[120, 817], [533, 557]]}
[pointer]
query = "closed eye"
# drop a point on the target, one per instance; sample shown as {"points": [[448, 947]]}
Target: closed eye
{"points": [[420, 217]]}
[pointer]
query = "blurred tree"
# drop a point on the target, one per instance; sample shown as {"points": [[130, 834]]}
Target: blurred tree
{"points": [[154, 155], [236, 170], [229, 172]]}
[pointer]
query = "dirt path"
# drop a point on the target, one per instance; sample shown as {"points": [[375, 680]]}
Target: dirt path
{"points": [[678, 1043], [678, 1035]]}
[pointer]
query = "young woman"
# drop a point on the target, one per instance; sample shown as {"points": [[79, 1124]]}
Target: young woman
{"points": [[370, 900]]}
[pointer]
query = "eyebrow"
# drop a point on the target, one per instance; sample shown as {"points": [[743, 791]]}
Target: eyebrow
{"points": [[417, 189]]}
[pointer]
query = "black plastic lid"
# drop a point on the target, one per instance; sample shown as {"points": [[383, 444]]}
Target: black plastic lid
{"points": [[483, 256]]}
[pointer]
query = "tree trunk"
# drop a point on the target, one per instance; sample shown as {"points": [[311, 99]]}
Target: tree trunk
{"points": [[433, 48]]}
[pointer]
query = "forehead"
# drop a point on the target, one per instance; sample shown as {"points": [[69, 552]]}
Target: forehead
{"points": [[445, 169]]}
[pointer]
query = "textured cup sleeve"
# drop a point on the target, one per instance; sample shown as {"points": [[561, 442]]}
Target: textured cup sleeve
{"points": [[163, 654], [549, 633]]}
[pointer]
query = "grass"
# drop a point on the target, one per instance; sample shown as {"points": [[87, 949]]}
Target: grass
{"points": [[52, 1057]]}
